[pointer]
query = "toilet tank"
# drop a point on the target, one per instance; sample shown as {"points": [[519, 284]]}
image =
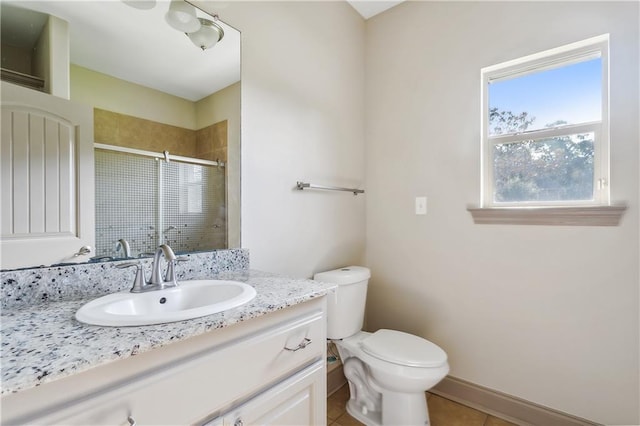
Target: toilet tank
{"points": [[345, 307]]}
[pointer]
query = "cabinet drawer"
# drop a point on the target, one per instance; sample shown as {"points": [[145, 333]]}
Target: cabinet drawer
{"points": [[299, 400], [192, 388]]}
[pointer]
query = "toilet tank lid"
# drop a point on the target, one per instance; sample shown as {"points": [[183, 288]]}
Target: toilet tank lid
{"points": [[404, 349], [346, 275]]}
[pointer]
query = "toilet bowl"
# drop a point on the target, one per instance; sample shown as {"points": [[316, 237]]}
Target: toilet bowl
{"points": [[388, 371]]}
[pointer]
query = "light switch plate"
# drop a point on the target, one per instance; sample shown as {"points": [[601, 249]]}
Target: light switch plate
{"points": [[421, 205]]}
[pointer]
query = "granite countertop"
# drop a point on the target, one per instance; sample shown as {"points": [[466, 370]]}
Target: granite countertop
{"points": [[45, 342]]}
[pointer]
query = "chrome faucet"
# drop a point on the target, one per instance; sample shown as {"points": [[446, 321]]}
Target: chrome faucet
{"points": [[156, 278], [125, 247], [156, 282]]}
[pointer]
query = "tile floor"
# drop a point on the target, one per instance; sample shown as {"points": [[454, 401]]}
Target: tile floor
{"points": [[442, 412]]}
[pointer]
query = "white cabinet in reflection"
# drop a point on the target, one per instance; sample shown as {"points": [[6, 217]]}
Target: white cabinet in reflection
{"points": [[47, 178]]}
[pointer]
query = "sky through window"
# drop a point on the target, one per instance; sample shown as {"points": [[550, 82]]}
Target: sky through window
{"points": [[572, 93]]}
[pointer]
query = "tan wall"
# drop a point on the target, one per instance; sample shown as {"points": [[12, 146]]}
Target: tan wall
{"points": [[113, 94], [211, 117], [548, 314], [224, 105]]}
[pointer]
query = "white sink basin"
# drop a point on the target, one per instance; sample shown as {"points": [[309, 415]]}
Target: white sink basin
{"points": [[191, 299]]}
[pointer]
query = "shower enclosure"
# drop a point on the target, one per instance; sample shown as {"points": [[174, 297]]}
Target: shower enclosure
{"points": [[149, 199]]}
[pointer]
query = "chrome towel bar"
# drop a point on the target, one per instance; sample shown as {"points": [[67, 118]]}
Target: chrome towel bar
{"points": [[303, 185]]}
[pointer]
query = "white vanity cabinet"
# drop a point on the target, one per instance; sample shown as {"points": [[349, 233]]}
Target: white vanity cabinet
{"points": [[292, 402], [267, 370]]}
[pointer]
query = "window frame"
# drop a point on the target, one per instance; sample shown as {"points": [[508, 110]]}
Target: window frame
{"points": [[595, 47]]}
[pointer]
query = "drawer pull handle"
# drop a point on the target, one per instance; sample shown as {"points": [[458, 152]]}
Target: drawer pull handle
{"points": [[131, 420], [238, 422], [302, 345]]}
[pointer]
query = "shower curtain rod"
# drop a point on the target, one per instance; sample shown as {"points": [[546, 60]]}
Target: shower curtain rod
{"points": [[159, 155]]}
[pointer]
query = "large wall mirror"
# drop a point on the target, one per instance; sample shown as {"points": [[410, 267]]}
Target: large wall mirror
{"points": [[166, 117]]}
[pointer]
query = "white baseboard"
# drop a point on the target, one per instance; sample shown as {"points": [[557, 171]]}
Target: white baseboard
{"points": [[507, 407]]}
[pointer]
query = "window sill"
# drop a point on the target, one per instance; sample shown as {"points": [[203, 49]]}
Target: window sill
{"points": [[568, 216]]}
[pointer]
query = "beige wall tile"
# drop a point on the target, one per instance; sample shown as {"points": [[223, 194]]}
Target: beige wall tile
{"points": [[133, 132], [105, 126], [211, 142]]}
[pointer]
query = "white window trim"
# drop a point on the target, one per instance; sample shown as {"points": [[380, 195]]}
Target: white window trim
{"points": [[565, 55], [564, 216]]}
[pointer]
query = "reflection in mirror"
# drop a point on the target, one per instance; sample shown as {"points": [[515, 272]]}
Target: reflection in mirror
{"points": [[166, 120]]}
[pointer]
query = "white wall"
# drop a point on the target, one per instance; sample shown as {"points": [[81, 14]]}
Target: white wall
{"points": [[302, 119], [548, 314]]}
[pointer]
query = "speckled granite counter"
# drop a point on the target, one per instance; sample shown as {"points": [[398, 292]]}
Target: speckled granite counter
{"points": [[44, 342]]}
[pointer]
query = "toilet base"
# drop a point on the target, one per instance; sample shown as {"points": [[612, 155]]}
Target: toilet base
{"points": [[397, 409], [404, 409], [369, 418]]}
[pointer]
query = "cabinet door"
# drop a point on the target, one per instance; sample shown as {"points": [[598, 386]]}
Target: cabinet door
{"points": [[46, 169], [299, 400]]}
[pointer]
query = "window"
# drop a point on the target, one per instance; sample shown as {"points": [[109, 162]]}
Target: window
{"points": [[545, 128], [191, 187]]}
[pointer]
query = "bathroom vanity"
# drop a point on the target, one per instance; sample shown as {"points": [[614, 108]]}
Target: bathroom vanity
{"points": [[260, 363]]}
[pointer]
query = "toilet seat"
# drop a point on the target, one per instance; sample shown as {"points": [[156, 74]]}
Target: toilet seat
{"points": [[390, 375], [403, 349]]}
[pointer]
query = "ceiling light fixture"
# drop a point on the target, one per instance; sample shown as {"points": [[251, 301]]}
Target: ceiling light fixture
{"points": [[182, 17], [208, 35], [140, 4]]}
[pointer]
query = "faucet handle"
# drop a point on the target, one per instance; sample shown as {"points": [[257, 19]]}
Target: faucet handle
{"points": [[170, 276], [128, 265], [124, 245], [167, 251], [139, 281]]}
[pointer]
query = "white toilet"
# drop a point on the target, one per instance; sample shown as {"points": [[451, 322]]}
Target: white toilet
{"points": [[388, 371]]}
